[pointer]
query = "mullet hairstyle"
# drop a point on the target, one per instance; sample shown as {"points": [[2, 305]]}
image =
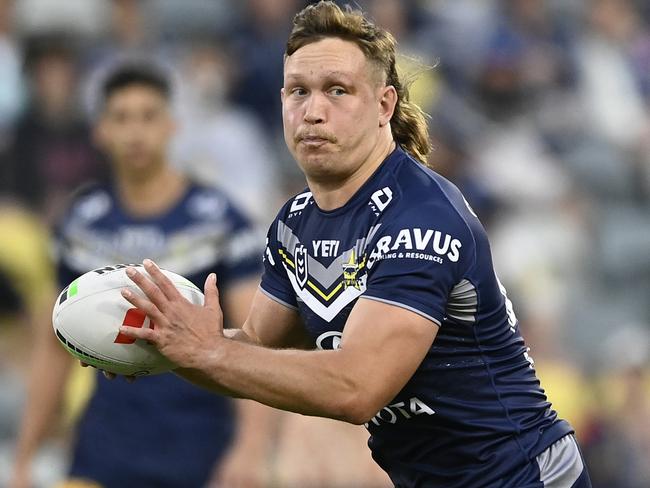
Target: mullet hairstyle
{"points": [[325, 19]]}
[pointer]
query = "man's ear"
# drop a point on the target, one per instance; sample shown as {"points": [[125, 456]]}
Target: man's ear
{"points": [[282, 94], [387, 104]]}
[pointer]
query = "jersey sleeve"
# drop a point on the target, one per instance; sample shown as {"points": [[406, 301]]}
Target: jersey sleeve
{"points": [[241, 251], [59, 245], [275, 283], [417, 268]]}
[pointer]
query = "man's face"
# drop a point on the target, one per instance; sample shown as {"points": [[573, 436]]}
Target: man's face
{"points": [[331, 108], [135, 129]]}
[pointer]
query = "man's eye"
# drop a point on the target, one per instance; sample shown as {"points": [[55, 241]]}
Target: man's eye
{"points": [[299, 91], [338, 91]]}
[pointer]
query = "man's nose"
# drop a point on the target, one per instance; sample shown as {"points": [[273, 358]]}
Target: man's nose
{"points": [[315, 109]]}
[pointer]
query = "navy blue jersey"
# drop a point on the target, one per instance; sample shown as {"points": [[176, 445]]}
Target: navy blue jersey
{"points": [[164, 432], [473, 414]]}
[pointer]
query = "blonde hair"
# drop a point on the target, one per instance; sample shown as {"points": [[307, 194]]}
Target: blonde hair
{"points": [[326, 19]]}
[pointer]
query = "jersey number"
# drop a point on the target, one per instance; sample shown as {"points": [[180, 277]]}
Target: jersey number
{"points": [[512, 321], [512, 318]]}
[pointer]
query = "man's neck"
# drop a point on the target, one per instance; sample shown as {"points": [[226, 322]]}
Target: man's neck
{"points": [[152, 195], [333, 195]]}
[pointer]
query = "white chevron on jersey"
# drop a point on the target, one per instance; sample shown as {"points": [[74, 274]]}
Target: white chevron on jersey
{"points": [[326, 312]]}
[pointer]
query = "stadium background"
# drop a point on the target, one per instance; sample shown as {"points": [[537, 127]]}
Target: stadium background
{"points": [[540, 112]]}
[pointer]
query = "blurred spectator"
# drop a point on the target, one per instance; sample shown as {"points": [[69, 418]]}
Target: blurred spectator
{"points": [[132, 36], [131, 29], [610, 162], [51, 152], [613, 72], [414, 62], [452, 127], [618, 443], [192, 18], [82, 17], [259, 48], [546, 43], [26, 287], [24, 260], [11, 92], [460, 29], [512, 157], [220, 143]]}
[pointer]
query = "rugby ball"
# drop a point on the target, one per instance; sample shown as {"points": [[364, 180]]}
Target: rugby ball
{"points": [[89, 311]]}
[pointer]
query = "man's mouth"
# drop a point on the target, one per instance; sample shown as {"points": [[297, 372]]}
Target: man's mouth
{"points": [[313, 140]]}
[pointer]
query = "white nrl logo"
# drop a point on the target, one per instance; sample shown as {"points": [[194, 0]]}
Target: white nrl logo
{"points": [[300, 255]]}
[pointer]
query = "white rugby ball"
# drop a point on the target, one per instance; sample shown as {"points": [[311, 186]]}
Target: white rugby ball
{"points": [[89, 311]]}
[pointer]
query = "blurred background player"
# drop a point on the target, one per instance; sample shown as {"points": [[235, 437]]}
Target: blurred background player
{"points": [[167, 433]]}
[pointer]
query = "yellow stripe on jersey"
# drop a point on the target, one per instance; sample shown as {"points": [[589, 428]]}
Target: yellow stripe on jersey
{"points": [[286, 258], [327, 298], [320, 293]]}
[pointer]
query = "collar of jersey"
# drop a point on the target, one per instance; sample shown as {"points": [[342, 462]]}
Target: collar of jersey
{"points": [[363, 193], [171, 212]]}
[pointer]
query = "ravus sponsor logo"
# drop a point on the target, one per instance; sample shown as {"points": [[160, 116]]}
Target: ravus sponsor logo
{"points": [[433, 245]]}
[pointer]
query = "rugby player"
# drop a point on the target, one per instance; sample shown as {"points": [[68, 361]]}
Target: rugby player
{"points": [[379, 304], [167, 433]]}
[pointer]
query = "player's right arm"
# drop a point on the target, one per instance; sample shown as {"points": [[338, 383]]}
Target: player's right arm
{"points": [[350, 383], [287, 330], [269, 324], [50, 368]]}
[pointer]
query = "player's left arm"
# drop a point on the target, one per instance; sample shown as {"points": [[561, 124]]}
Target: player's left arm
{"points": [[381, 348]]}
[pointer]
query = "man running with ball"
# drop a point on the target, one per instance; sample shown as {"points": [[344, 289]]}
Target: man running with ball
{"points": [[379, 304]]}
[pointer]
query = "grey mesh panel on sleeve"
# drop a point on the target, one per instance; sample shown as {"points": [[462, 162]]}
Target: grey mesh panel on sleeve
{"points": [[463, 302], [560, 465]]}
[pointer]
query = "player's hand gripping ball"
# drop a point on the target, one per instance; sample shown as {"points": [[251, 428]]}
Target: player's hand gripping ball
{"points": [[88, 313]]}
